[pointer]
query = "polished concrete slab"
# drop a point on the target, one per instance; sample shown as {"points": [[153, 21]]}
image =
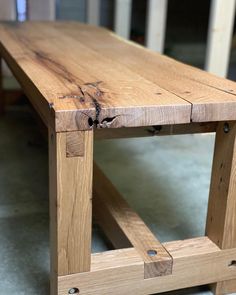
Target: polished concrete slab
{"points": [[166, 179]]}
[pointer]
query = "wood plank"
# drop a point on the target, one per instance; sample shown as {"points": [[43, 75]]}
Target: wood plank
{"points": [[212, 98], [119, 215], [221, 218], [110, 227], [43, 106], [83, 90], [75, 144], [116, 90], [123, 11], [221, 221], [132, 132], [196, 262], [93, 12], [70, 206], [220, 34], [156, 24], [225, 287]]}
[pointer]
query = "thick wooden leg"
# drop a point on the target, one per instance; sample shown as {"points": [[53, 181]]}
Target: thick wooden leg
{"points": [[221, 219], [71, 162], [1, 90]]}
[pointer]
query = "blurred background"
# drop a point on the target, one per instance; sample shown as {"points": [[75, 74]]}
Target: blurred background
{"points": [[166, 179]]}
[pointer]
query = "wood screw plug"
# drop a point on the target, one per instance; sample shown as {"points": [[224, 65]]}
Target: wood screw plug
{"points": [[73, 291], [226, 128], [152, 253]]}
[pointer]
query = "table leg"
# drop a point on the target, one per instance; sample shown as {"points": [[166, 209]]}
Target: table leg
{"points": [[221, 219], [70, 167]]}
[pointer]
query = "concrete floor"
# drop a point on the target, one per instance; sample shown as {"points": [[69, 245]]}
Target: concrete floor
{"points": [[165, 179]]}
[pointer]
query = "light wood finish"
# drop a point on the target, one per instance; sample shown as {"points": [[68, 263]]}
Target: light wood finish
{"points": [[179, 129], [119, 213], [70, 205], [221, 24], [107, 82], [221, 219], [212, 98], [75, 144], [42, 106], [78, 98], [79, 78], [197, 261], [109, 225], [225, 287]]}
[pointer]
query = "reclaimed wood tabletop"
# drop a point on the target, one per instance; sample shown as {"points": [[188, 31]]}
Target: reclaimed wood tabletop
{"points": [[80, 77]]}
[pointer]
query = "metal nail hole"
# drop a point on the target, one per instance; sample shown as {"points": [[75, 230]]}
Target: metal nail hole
{"points": [[152, 253], [73, 291], [232, 263], [226, 128]]}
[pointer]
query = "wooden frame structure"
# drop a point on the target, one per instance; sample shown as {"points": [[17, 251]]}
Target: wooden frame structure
{"points": [[77, 109], [141, 264]]}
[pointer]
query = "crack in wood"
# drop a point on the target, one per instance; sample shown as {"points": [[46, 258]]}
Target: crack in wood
{"points": [[107, 122], [71, 96], [89, 90]]}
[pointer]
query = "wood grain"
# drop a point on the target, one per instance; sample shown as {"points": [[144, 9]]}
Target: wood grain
{"points": [[221, 218], [196, 262], [212, 98], [75, 144], [86, 89], [70, 205], [225, 287], [120, 216], [108, 82]]}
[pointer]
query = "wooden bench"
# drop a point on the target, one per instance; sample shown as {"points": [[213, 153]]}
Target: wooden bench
{"points": [[86, 83]]}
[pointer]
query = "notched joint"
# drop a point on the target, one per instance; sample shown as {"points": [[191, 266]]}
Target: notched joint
{"points": [[75, 144]]}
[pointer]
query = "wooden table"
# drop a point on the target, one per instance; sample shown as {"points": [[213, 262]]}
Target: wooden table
{"points": [[86, 83]]}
